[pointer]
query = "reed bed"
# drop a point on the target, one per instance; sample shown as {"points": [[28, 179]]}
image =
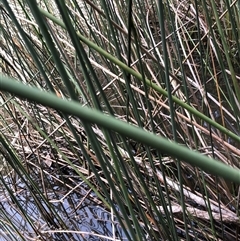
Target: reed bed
{"points": [[128, 106]]}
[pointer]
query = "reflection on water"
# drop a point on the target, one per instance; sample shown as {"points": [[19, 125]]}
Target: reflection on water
{"points": [[85, 219]]}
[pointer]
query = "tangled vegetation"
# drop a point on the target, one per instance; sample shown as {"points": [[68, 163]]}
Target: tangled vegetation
{"points": [[73, 164]]}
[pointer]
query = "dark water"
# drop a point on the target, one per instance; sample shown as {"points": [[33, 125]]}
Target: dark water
{"points": [[85, 219]]}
